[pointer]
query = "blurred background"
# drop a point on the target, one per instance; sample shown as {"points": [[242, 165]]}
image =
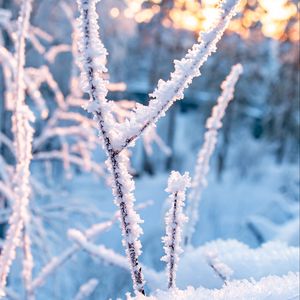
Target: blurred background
{"points": [[253, 184]]}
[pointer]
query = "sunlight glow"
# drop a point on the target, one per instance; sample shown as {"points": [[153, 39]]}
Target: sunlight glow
{"points": [[273, 16], [114, 12]]}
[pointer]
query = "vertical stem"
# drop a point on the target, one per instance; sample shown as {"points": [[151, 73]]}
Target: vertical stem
{"points": [[171, 282], [126, 225], [23, 134]]}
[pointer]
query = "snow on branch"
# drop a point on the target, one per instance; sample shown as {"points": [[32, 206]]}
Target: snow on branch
{"points": [[89, 165], [43, 74], [177, 185], [6, 191], [89, 234], [7, 142], [213, 124], [167, 92], [27, 261], [100, 251], [9, 64], [23, 140], [93, 58], [58, 261], [86, 289], [221, 269], [110, 256]]}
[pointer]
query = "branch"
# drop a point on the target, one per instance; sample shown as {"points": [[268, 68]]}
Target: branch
{"points": [[23, 139], [89, 233], [110, 256], [220, 268], [177, 185], [10, 66], [60, 131], [58, 261], [93, 57], [167, 92], [27, 261], [7, 142], [6, 191], [73, 159], [213, 124], [86, 289]]}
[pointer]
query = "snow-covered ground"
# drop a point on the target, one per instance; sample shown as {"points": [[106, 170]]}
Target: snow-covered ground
{"points": [[272, 287]]}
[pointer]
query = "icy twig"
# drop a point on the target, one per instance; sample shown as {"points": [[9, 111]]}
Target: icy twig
{"points": [[89, 234], [175, 218], [23, 139], [58, 261], [56, 50], [7, 142], [73, 159], [110, 256], [87, 289], [213, 124], [27, 261], [6, 191], [221, 269], [93, 58], [167, 92]]}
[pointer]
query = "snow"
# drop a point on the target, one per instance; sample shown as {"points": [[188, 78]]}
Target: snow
{"points": [[271, 287], [272, 258], [238, 272]]}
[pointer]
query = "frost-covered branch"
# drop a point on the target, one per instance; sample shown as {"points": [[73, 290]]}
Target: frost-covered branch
{"points": [[100, 251], [73, 159], [55, 50], [86, 289], [6, 174], [9, 64], [23, 133], [167, 92], [58, 261], [89, 234], [110, 256], [27, 261], [175, 218], [93, 58], [7, 142], [213, 124], [6, 191], [11, 294], [221, 269]]}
